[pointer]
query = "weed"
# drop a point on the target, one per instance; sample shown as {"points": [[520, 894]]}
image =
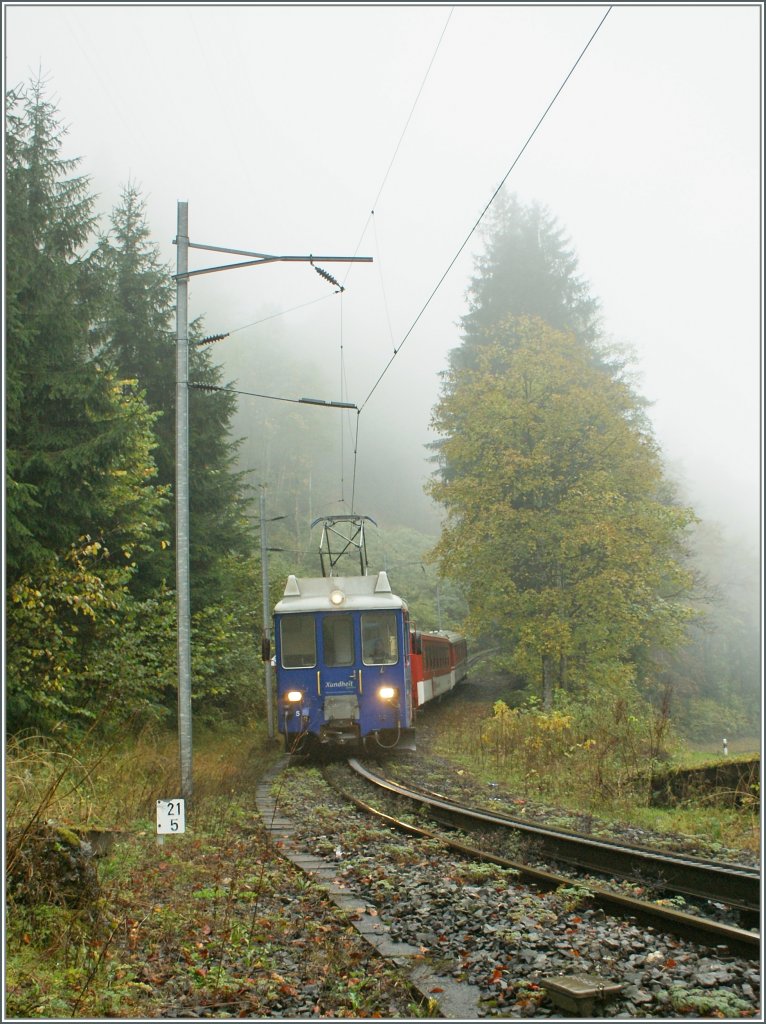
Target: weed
{"points": [[476, 872], [211, 915], [574, 896], [396, 853], [705, 1003]]}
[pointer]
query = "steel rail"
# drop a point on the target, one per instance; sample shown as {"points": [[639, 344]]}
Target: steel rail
{"points": [[738, 887], [739, 941]]}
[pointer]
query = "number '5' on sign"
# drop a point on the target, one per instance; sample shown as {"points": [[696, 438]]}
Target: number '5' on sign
{"points": [[171, 817]]}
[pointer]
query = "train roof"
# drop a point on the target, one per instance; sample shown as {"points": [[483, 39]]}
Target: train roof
{"points": [[443, 634], [338, 593]]}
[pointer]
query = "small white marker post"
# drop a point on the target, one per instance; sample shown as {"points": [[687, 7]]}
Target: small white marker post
{"points": [[171, 818], [725, 747]]}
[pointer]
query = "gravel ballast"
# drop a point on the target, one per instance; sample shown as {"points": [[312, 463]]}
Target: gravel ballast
{"points": [[479, 925]]}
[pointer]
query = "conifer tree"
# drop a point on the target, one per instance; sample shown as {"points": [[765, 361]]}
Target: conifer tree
{"points": [[137, 336], [560, 527], [528, 268], [82, 504], [72, 430]]}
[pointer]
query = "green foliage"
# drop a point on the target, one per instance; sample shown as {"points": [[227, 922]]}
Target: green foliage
{"points": [[131, 671], [151, 949], [218, 495], [228, 678], [137, 337], [706, 719], [715, 682], [91, 457], [51, 618], [434, 603], [574, 896]]}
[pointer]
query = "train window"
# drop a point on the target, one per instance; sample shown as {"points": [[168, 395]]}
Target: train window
{"points": [[298, 641], [379, 643], [435, 654], [338, 640]]}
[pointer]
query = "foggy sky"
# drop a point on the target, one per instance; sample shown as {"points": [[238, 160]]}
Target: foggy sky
{"points": [[278, 126]]}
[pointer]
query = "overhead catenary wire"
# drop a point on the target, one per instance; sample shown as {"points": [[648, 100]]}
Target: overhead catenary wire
{"points": [[483, 213], [382, 286], [282, 312], [401, 138], [343, 396], [356, 452], [361, 237], [397, 349], [340, 288], [274, 398]]}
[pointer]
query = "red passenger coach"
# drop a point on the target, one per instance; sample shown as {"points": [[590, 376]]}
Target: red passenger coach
{"points": [[439, 662]]}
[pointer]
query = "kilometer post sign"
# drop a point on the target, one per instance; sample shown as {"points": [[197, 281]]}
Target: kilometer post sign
{"points": [[171, 817]]}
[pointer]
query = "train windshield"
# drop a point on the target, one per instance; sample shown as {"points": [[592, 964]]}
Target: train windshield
{"points": [[379, 638], [338, 640], [298, 641]]}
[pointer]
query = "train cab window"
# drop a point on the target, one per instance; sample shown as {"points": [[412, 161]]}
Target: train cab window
{"points": [[338, 640], [379, 639], [298, 641]]}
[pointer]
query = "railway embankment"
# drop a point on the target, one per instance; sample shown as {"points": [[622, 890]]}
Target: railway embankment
{"points": [[731, 782]]}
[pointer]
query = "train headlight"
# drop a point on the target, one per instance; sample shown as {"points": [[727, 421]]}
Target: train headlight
{"points": [[293, 696], [387, 692], [337, 597]]}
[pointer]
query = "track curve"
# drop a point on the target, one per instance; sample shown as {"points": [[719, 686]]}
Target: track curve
{"points": [[699, 929]]}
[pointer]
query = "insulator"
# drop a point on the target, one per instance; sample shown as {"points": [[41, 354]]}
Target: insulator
{"points": [[326, 276], [211, 339]]}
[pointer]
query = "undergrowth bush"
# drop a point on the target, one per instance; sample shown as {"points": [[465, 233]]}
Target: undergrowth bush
{"points": [[604, 745], [589, 754]]}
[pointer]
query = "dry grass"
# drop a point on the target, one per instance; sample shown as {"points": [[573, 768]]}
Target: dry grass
{"points": [[115, 785]]}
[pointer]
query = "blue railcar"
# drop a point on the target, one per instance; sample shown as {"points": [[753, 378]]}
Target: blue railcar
{"points": [[343, 663]]}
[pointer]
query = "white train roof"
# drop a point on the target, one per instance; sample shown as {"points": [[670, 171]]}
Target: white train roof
{"points": [[338, 593], [443, 634]]}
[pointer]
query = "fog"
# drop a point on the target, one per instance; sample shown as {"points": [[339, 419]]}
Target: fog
{"points": [[284, 127]]}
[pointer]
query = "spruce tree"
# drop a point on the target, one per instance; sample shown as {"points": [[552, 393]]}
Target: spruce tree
{"points": [[218, 492], [81, 502], [70, 425], [137, 337], [528, 268]]}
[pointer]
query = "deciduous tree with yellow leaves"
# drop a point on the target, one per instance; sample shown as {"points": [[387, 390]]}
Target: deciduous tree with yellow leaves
{"points": [[560, 525]]}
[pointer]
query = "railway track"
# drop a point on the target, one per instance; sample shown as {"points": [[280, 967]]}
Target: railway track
{"points": [[495, 938], [738, 886]]}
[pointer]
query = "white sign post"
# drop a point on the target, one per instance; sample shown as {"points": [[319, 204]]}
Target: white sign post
{"points": [[171, 818]]}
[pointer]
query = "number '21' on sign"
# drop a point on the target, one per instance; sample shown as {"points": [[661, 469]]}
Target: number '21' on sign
{"points": [[171, 817]]}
